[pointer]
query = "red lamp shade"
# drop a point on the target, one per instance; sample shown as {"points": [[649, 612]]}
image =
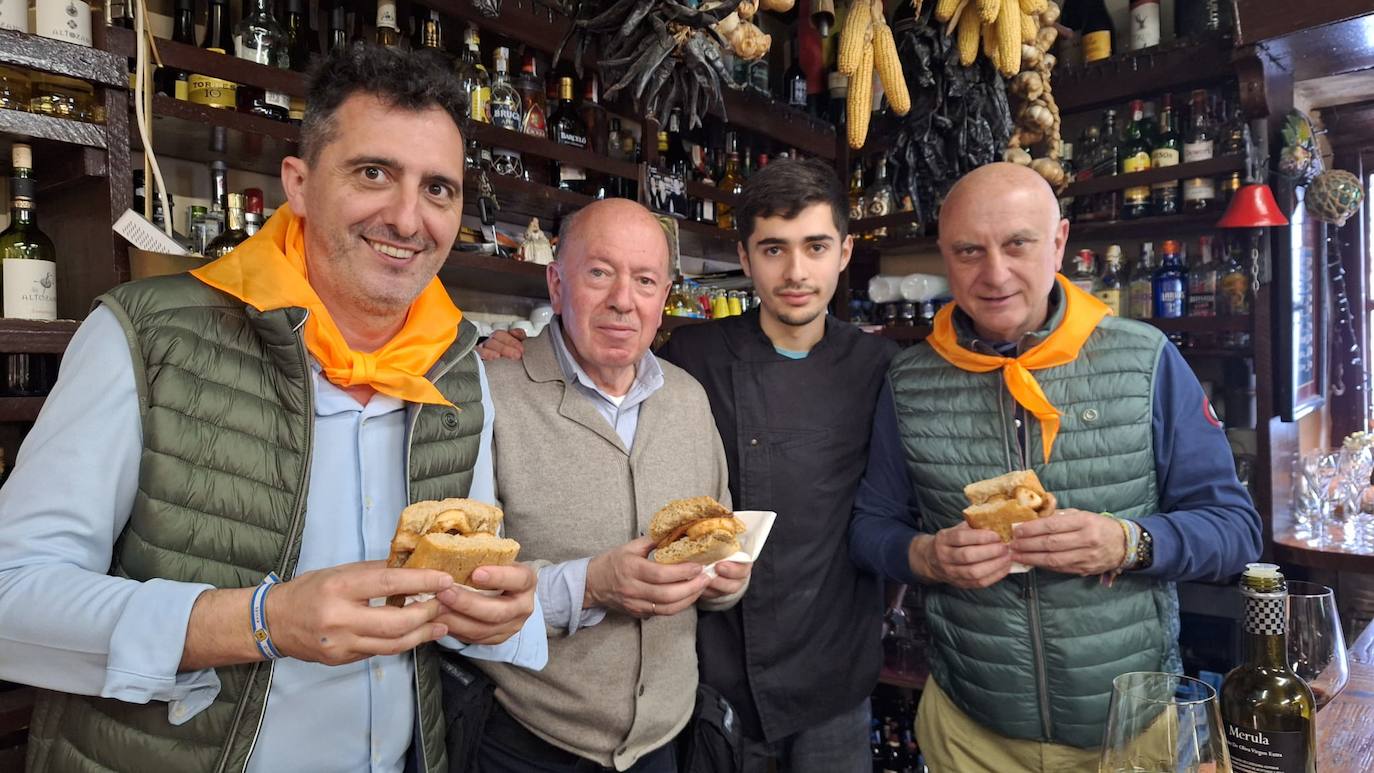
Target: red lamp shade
{"points": [[1253, 206]]}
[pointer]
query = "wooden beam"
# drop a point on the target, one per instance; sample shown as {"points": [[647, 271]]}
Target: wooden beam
{"points": [[1264, 19], [1321, 51]]}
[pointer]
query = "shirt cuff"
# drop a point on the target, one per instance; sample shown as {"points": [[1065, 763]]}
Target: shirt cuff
{"points": [[895, 554], [561, 589], [146, 646], [1166, 544], [528, 648]]}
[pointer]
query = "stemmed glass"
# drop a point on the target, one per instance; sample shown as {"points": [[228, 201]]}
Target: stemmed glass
{"points": [[1163, 723], [1317, 473], [1316, 643]]}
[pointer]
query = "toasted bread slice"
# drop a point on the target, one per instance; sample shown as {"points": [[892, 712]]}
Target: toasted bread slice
{"points": [[703, 550], [459, 555], [998, 516], [682, 511], [452, 516], [983, 491]]}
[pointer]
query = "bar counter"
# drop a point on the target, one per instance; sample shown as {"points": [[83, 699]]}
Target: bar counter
{"points": [[1345, 728]]}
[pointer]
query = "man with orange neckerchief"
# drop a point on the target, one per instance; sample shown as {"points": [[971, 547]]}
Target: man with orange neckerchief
{"points": [[192, 537], [1026, 371]]}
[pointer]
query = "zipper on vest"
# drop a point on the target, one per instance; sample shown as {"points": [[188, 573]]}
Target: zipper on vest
{"points": [[292, 536], [1038, 647]]}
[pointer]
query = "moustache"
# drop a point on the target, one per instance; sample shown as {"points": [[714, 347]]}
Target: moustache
{"points": [[390, 236]]}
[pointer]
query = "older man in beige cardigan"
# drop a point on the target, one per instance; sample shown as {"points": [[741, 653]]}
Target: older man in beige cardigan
{"points": [[593, 435]]}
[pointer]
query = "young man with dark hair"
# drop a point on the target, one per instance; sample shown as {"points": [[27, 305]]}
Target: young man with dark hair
{"points": [[192, 537], [793, 393]]}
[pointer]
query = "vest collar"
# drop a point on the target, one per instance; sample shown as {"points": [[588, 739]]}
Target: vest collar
{"points": [[748, 341], [968, 337]]}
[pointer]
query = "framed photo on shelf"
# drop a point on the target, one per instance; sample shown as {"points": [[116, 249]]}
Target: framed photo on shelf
{"points": [[1300, 314]]}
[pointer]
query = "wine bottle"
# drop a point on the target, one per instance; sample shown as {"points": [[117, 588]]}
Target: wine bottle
{"points": [[338, 28], [1266, 709], [1135, 157], [170, 81], [388, 33], [28, 260], [794, 79], [65, 20], [1166, 152], [566, 128], [14, 15], [1144, 24], [233, 234], [1097, 31], [260, 38], [204, 89], [1199, 193]]}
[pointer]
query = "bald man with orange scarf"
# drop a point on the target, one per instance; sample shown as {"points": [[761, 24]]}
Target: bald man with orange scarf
{"points": [[1025, 371]]}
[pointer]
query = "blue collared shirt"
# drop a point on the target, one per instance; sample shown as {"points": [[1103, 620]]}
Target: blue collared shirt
{"points": [[563, 586], [66, 625]]}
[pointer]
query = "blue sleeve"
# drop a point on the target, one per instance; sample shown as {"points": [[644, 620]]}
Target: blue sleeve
{"points": [[1207, 528], [65, 624], [885, 512]]}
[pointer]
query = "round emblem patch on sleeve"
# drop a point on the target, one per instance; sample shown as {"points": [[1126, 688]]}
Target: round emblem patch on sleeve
{"points": [[1209, 414]]}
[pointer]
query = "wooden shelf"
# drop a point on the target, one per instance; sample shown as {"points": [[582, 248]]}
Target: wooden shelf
{"points": [[1202, 324], [1154, 227], [31, 336], [32, 52], [496, 137], [671, 322], [494, 275], [20, 408], [904, 334], [1168, 68], [195, 132], [521, 200], [1216, 354], [886, 221], [1212, 167], [120, 42], [1289, 549], [700, 190], [909, 681], [52, 128]]}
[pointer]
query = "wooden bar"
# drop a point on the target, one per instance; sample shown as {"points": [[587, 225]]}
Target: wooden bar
{"points": [[50, 127], [1167, 68], [1345, 728], [1212, 167], [182, 56], [33, 52], [31, 336]]}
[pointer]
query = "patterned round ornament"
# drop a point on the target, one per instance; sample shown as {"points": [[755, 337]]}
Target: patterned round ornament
{"points": [[1334, 196]]}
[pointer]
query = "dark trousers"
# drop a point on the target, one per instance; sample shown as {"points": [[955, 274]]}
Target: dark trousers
{"points": [[507, 747], [837, 745]]}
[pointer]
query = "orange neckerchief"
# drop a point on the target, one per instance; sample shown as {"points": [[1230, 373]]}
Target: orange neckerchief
{"points": [[268, 272], [1082, 312]]}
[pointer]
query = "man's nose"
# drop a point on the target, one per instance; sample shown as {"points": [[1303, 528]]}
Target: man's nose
{"points": [[403, 212]]}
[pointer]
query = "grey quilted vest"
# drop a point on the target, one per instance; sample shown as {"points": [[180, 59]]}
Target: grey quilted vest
{"points": [[1033, 657], [228, 421]]}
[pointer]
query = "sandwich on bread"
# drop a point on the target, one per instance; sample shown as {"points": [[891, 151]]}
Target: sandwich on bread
{"points": [[698, 529], [451, 535], [997, 503]]}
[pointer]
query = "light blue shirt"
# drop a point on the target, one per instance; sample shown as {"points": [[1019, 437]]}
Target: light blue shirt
{"points": [[562, 587], [65, 625], [791, 355]]}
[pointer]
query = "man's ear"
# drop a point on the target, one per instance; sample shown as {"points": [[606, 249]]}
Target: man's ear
{"points": [[743, 258], [293, 175], [846, 251]]}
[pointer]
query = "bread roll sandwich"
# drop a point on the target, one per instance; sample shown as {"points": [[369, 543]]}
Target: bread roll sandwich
{"points": [[997, 503], [698, 529], [452, 535]]}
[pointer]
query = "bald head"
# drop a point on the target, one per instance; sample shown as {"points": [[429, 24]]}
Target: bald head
{"points": [[624, 218], [1002, 240]]}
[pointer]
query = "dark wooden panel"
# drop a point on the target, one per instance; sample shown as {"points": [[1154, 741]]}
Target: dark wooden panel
{"points": [[1202, 324], [194, 59], [197, 133], [720, 236], [886, 221], [906, 334], [494, 275], [699, 190], [521, 199], [1345, 728], [1289, 549], [496, 137], [1264, 19], [671, 323], [20, 408], [30, 336], [52, 128], [61, 166], [1215, 354], [1350, 128], [1212, 167], [1167, 68], [1144, 228], [32, 52]]}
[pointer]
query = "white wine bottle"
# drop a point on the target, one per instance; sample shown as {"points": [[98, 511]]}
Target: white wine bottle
{"points": [[1267, 711], [28, 261], [68, 20]]}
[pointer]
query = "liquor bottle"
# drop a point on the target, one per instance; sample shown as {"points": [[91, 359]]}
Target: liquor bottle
{"points": [[259, 38], [1202, 282], [431, 32], [219, 186], [1233, 286], [1135, 157], [505, 114], [1098, 31], [338, 28], [730, 182], [1107, 164], [857, 206], [170, 81], [65, 20], [388, 31], [706, 175], [1084, 271], [837, 84], [1066, 162], [880, 199], [534, 113], [1165, 195], [1199, 193], [1267, 711], [1235, 140], [593, 114], [14, 15], [794, 79], [28, 260], [252, 210], [474, 78], [1171, 289], [233, 234], [1142, 287], [1108, 287], [1227, 190], [1144, 24], [566, 128], [203, 89]]}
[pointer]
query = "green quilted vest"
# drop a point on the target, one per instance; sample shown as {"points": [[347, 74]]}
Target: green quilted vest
{"points": [[228, 421], [1033, 657]]}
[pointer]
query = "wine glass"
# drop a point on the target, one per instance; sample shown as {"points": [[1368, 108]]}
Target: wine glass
{"points": [[1316, 643], [1163, 723]]}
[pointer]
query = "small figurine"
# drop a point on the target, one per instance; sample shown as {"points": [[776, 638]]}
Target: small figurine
{"points": [[536, 247]]}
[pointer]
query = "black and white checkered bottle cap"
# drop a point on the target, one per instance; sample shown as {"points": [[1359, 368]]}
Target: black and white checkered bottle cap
{"points": [[1266, 599]]}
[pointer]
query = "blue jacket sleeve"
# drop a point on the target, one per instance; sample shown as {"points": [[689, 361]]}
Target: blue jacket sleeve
{"points": [[1207, 528], [885, 512]]}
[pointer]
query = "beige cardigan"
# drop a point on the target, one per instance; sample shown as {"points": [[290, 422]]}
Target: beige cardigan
{"points": [[624, 687]]}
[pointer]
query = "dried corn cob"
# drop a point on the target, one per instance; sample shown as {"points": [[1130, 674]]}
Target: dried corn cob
{"points": [[987, 10], [944, 9], [1007, 30], [1029, 28], [1033, 7], [968, 36], [853, 37], [890, 69], [860, 106]]}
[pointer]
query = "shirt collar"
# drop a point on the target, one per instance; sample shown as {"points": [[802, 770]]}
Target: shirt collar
{"points": [[648, 373], [968, 337], [330, 399]]}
